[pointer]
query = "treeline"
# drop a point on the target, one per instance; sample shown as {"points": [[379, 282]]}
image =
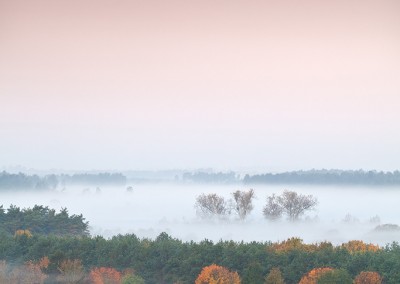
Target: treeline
{"points": [[41, 220], [50, 182], [326, 177], [169, 260], [206, 177]]}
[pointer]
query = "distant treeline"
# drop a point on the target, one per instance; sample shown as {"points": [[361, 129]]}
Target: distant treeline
{"points": [[205, 177], [327, 177], [23, 181], [41, 220]]}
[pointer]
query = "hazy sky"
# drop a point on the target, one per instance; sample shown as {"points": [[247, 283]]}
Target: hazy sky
{"points": [[257, 85]]}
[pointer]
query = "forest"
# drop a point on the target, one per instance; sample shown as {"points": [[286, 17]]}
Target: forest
{"points": [[50, 256]]}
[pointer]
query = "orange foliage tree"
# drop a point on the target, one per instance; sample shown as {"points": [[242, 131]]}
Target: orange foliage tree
{"points": [[105, 275], [368, 277], [214, 274], [313, 276], [359, 246]]}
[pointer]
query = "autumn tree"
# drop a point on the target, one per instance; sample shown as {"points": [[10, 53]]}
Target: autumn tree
{"points": [[105, 275], [291, 203], [356, 246], [211, 205], [313, 276], [243, 202], [71, 271], [368, 277], [274, 277], [30, 272], [214, 274]]}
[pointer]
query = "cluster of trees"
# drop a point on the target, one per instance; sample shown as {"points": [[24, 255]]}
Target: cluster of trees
{"points": [[50, 182], [321, 275], [23, 181], [290, 203], [341, 177], [168, 260], [70, 272], [41, 220], [212, 205]]}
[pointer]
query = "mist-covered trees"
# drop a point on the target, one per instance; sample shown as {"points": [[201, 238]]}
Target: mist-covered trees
{"points": [[212, 205], [290, 203], [243, 202], [41, 220], [23, 181]]}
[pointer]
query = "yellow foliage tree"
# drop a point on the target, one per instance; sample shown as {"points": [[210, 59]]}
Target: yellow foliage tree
{"points": [[26, 233], [214, 274], [359, 246], [313, 276]]}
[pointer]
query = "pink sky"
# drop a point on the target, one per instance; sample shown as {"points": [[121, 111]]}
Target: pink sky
{"points": [[271, 85]]}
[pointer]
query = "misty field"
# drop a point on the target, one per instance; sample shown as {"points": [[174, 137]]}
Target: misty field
{"points": [[342, 214]]}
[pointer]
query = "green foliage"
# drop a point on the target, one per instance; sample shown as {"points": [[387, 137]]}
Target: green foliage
{"points": [[168, 260], [253, 274], [337, 276], [132, 279], [274, 277], [42, 220]]}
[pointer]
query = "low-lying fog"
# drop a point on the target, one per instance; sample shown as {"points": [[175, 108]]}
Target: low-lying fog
{"points": [[342, 213]]}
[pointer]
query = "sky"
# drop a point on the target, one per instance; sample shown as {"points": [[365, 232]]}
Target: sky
{"points": [[230, 85]]}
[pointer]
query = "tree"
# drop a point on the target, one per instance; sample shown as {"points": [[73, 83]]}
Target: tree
{"points": [[214, 274], [253, 273], [291, 203], [368, 277], [211, 205], [274, 277], [105, 275], [313, 276], [243, 202], [359, 247], [273, 210], [337, 276], [71, 271]]}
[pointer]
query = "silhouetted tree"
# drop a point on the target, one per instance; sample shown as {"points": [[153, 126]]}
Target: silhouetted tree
{"points": [[291, 203], [243, 202], [211, 205]]}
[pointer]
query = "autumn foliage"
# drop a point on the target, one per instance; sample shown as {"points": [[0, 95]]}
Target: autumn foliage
{"points": [[214, 274], [297, 244], [359, 246], [368, 277], [313, 276], [71, 271], [105, 275], [30, 272]]}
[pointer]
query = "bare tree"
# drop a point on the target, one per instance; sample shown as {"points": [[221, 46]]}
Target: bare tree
{"points": [[291, 203], [273, 210], [243, 202], [211, 205]]}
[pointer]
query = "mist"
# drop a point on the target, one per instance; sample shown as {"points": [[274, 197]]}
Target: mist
{"points": [[342, 213]]}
